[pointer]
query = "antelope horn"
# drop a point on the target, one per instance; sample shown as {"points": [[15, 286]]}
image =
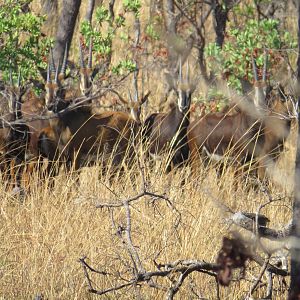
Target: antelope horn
{"points": [[187, 72], [129, 95], [64, 64], [265, 66], [90, 54], [145, 97], [81, 59], [180, 70], [135, 84], [119, 96], [52, 65], [10, 76], [19, 78], [56, 73], [259, 96], [48, 74], [254, 70]]}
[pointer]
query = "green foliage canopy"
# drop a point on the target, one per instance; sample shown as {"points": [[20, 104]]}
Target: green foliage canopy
{"points": [[234, 60], [22, 45], [105, 29]]}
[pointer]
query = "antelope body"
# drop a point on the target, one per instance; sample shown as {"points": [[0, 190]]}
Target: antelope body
{"points": [[79, 136], [33, 107], [15, 137], [255, 130], [167, 132]]}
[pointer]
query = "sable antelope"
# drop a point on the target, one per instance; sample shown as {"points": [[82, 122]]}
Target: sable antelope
{"points": [[86, 72], [34, 106], [78, 135], [13, 139], [253, 131], [167, 131]]}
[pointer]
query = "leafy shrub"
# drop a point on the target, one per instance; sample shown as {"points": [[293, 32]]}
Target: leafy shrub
{"points": [[22, 45], [104, 31], [234, 60]]}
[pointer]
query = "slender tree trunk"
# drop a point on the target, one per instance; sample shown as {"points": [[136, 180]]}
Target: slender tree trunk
{"points": [[170, 24], [90, 10], [220, 12], [49, 6], [171, 30], [66, 27], [295, 249], [169, 13]]}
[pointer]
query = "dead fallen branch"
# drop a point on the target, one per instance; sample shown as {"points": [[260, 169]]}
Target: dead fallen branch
{"points": [[182, 267], [241, 219]]}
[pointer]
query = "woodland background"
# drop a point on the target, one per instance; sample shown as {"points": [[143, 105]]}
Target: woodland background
{"points": [[53, 233]]}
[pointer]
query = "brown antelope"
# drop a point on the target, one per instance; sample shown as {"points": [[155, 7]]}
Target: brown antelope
{"points": [[86, 72], [253, 131], [34, 107], [78, 135], [13, 137], [167, 131]]}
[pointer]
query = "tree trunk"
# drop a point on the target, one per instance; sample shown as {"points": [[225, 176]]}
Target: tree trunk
{"points": [[49, 6], [295, 250], [220, 12], [169, 13], [90, 10], [170, 24], [66, 27]]}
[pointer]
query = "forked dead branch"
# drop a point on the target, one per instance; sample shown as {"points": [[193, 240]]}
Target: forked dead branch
{"points": [[235, 253], [159, 235]]}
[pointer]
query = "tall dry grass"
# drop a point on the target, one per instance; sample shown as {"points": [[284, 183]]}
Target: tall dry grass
{"points": [[45, 232]]}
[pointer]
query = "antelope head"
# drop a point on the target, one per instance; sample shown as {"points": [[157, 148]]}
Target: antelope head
{"points": [[15, 94], [260, 88], [184, 89], [134, 105], [54, 90], [86, 72]]}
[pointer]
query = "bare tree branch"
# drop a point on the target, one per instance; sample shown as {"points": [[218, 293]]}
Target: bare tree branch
{"points": [[261, 273], [245, 222]]}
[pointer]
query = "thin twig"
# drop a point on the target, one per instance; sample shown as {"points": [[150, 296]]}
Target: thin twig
{"points": [[261, 273]]}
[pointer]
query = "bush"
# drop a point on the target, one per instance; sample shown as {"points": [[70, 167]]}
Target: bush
{"points": [[22, 45]]}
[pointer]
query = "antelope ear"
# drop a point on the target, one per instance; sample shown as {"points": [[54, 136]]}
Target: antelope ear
{"points": [[281, 92], [247, 87], [95, 71], [122, 100], [72, 70], [61, 78], [170, 80], [43, 73], [192, 87], [37, 84], [144, 99], [24, 90]]}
